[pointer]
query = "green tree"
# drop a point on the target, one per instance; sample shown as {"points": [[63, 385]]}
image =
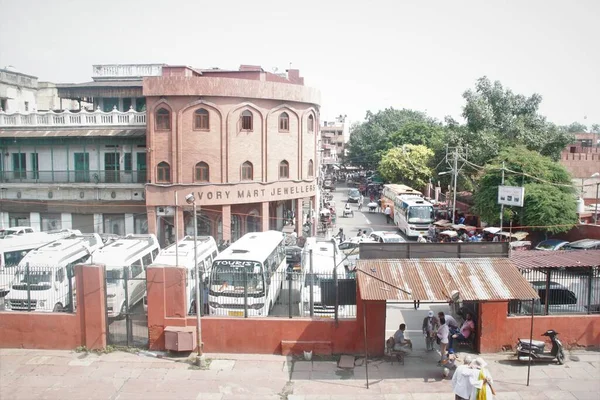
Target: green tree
{"points": [[408, 164], [549, 196], [576, 127]]}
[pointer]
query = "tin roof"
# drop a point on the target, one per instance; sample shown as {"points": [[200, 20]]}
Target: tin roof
{"points": [[555, 259], [436, 279]]}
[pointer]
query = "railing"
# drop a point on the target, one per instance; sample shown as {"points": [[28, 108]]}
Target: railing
{"points": [[126, 70], [86, 176], [69, 118]]}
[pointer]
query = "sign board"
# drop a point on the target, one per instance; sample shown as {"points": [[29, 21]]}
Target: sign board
{"points": [[511, 195]]}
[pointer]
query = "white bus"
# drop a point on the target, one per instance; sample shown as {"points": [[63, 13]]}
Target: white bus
{"points": [[413, 215], [323, 270], [130, 255], [257, 262], [206, 251], [392, 191], [50, 269]]}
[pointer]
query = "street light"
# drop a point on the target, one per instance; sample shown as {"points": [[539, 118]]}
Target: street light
{"points": [[190, 199], [596, 175]]}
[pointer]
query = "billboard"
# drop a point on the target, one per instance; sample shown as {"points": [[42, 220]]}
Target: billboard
{"points": [[511, 195]]}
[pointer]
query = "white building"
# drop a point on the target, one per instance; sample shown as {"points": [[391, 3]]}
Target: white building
{"points": [[334, 136], [17, 91]]}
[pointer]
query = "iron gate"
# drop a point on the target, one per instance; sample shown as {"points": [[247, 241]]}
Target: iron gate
{"points": [[126, 312]]}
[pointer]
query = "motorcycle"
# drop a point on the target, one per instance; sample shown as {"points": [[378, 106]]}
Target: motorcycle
{"points": [[348, 212], [536, 349]]}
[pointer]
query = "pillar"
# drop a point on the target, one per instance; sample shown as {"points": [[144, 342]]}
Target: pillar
{"points": [[299, 212], [35, 221], [4, 220], [91, 305], [264, 216], [66, 221], [226, 220], [151, 212], [180, 222], [98, 223], [129, 225]]}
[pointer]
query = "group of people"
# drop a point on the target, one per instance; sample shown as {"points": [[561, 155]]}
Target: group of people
{"points": [[472, 380], [446, 330]]}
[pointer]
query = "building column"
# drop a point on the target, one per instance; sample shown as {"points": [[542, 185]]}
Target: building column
{"points": [[35, 221], [180, 221], [129, 225], [4, 220], [66, 221], [299, 216], [98, 223], [151, 212], [264, 216], [226, 222]]}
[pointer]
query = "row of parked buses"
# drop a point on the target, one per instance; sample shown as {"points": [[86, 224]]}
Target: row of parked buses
{"points": [[252, 267], [412, 213]]}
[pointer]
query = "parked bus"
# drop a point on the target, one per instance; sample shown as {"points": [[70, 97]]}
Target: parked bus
{"points": [[413, 215], [46, 272], [206, 250], [252, 268], [322, 270], [392, 191], [130, 255]]}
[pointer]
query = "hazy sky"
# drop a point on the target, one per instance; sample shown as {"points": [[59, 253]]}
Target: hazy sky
{"points": [[420, 54]]}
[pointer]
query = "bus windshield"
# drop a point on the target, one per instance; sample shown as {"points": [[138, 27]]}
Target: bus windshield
{"points": [[420, 214], [37, 280], [230, 276]]}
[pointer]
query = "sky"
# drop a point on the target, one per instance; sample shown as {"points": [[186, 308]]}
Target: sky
{"points": [[420, 54]]}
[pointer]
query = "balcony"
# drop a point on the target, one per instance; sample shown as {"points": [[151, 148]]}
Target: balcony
{"points": [[125, 71], [94, 177], [73, 119]]}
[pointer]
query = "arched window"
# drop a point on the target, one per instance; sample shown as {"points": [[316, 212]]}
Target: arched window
{"points": [[163, 172], [253, 222], [201, 122], [236, 227], [247, 171], [284, 122], [201, 172], [311, 168], [311, 123], [163, 120], [284, 169], [247, 120]]}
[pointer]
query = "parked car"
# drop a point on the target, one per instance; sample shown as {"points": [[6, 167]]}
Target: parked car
{"points": [[350, 246], [15, 230], [551, 245], [353, 196], [386, 237], [583, 244], [560, 299]]}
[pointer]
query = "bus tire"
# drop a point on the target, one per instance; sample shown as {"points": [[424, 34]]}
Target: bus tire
{"points": [[58, 307]]}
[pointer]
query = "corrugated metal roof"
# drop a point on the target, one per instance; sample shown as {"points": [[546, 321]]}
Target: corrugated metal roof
{"points": [[555, 259], [435, 279], [42, 133]]}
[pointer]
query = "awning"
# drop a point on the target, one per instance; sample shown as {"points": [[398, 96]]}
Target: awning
{"points": [[435, 280]]}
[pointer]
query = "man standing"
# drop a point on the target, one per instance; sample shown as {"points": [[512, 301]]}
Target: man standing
{"points": [[388, 214], [430, 327], [461, 385], [450, 321]]}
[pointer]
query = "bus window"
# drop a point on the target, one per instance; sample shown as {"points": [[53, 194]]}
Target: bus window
{"points": [[147, 260], [13, 258], [215, 254], [154, 254], [136, 268]]}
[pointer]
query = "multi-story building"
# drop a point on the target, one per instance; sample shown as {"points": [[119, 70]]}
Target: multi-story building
{"points": [[244, 142], [334, 136], [582, 159], [81, 169]]}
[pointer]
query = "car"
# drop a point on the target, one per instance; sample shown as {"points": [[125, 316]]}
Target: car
{"points": [[15, 230], [386, 237], [561, 300], [350, 246], [583, 244], [353, 196], [551, 245], [293, 255]]}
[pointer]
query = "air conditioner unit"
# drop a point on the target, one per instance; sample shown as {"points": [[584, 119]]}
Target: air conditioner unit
{"points": [[165, 211]]}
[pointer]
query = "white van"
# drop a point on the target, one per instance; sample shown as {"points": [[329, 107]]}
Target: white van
{"points": [[206, 250], [130, 255], [47, 272], [15, 230], [323, 266]]}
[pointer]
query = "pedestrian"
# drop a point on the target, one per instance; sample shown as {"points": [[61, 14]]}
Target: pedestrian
{"points": [[421, 239], [450, 321], [481, 379], [430, 327], [360, 203], [388, 214], [442, 336], [461, 384]]}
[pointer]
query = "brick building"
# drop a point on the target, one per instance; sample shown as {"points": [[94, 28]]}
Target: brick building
{"points": [[244, 142], [582, 159]]}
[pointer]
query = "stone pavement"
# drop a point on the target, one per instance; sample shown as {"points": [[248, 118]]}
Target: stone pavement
{"points": [[51, 374]]}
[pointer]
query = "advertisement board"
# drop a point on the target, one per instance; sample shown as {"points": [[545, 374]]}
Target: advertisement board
{"points": [[511, 195]]}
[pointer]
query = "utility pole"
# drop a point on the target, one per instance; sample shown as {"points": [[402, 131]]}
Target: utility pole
{"points": [[502, 205], [455, 171]]}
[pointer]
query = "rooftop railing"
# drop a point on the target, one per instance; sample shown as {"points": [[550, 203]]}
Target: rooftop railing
{"points": [[73, 119]]}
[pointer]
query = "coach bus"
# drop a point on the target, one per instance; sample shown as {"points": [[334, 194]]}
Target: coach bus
{"points": [[392, 191], [413, 215]]}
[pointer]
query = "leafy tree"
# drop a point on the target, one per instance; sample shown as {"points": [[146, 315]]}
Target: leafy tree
{"points": [[576, 127], [549, 199], [408, 164], [595, 128]]}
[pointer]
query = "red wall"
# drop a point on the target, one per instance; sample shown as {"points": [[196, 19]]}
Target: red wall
{"points": [[167, 307], [86, 327], [498, 330]]}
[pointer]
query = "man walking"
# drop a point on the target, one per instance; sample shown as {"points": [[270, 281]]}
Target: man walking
{"points": [[461, 385], [388, 214]]}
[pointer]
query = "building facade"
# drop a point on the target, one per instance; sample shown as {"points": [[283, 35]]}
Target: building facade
{"points": [[334, 136], [244, 142], [582, 159]]}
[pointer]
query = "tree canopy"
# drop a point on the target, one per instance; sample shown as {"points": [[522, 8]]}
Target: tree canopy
{"points": [[408, 164], [549, 196]]}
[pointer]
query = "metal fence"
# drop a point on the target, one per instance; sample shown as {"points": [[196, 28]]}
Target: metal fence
{"points": [[561, 291], [37, 288], [370, 251], [285, 294]]}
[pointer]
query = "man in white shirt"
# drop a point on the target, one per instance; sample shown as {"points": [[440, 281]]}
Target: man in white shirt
{"points": [[450, 321], [388, 214], [461, 385]]}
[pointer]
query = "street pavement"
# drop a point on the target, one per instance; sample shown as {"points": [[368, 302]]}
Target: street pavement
{"points": [[66, 375]]}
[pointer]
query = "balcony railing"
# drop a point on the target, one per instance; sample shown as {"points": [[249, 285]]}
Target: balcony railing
{"points": [[73, 119], [73, 176]]}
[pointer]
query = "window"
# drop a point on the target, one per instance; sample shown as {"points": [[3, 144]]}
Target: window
{"points": [[3, 104], [163, 120], [127, 162], [247, 171], [311, 123], [147, 259], [19, 161], [35, 167], [247, 121], [50, 222], [26, 106], [136, 268], [201, 172], [140, 224], [114, 223], [284, 122], [253, 222], [284, 169], [236, 227], [311, 168], [163, 172], [201, 120]]}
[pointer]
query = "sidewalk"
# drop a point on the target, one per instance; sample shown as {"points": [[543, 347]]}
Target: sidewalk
{"points": [[49, 374]]}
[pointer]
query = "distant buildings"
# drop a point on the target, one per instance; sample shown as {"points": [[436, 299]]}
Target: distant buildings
{"points": [[334, 136], [582, 160]]}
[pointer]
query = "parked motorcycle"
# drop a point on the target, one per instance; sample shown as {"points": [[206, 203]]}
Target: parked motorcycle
{"points": [[535, 350]]}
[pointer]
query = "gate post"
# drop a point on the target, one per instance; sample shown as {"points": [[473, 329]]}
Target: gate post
{"points": [[91, 305]]}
